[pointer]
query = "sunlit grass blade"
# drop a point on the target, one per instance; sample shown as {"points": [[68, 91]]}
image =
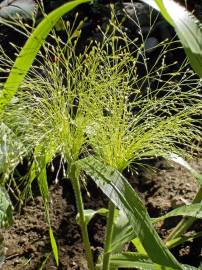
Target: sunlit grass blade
{"points": [[119, 191], [189, 30], [54, 246], [138, 245], [158, 5], [187, 27], [30, 50]]}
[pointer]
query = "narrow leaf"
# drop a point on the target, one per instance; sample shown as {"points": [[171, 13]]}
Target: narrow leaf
{"points": [[54, 246], [44, 262], [40, 164], [136, 242], [193, 210], [187, 27], [132, 260]]}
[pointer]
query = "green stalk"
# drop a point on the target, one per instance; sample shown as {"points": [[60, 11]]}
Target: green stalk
{"points": [[180, 240], [108, 238], [186, 222], [74, 177]]}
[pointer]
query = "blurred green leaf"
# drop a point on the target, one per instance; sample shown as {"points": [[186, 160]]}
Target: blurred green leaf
{"points": [[45, 261], [138, 245], [13, 8], [90, 213], [11, 149], [6, 215]]}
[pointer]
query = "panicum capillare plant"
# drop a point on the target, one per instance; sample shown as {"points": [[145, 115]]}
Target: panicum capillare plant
{"points": [[52, 110], [131, 123], [95, 103]]}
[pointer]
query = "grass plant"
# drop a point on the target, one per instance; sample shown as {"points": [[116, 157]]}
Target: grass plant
{"points": [[95, 104], [142, 127]]}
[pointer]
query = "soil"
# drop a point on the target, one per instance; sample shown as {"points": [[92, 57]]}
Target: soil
{"points": [[27, 244]]}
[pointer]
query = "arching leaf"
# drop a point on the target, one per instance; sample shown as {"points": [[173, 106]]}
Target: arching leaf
{"points": [[187, 27], [193, 210]]}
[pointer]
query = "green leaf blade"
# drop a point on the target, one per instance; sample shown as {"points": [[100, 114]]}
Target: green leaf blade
{"points": [[187, 27], [54, 246], [189, 31], [193, 210]]}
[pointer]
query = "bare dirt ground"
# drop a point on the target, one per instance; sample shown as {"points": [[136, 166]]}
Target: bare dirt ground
{"points": [[27, 244]]}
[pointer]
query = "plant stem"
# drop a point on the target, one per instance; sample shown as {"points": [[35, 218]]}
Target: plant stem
{"points": [[108, 238], [179, 240], [80, 208], [186, 222]]}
